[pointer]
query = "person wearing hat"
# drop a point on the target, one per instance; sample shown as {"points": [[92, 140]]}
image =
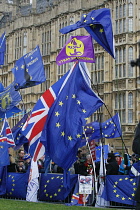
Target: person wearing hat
{"points": [[118, 158], [112, 165], [27, 161]]}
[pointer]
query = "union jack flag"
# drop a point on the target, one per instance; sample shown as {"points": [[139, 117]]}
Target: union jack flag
{"points": [[6, 134], [33, 127]]}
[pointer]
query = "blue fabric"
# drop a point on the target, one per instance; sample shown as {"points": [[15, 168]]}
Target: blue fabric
{"points": [[9, 113], [52, 187], [137, 168], [9, 98], [66, 117], [99, 25], [75, 196], [121, 189], [111, 128], [29, 70], [1, 87], [98, 152], [3, 179], [19, 138], [16, 186], [2, 48]]}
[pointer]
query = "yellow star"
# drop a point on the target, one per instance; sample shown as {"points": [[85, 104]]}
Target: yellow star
{"points": [[84, 15], [114, 186], [78, 135], [46, 195], [57, 177], [73, 96], [67, 97], [129, 198], [10, 193], [134, 183], [22, 67], [117, 195], [78, 102], [84, 111], [58, 125], [86, 118], [101, 30], [133, 194], [134, 189], [45, 191], [120, 179], [126, 178], [123, 198], [59, 190], [57, 114], [114, 191], [131, 180], [50, 196], [48, 181], [85, 21], [12, 189], [1, 147], [13, 180], [16, 67], [55, 194], [45, 185], [13, 184], [60, 103], [52, 177], [27, 70], [92, 18], [69, 138], [62, 133]]}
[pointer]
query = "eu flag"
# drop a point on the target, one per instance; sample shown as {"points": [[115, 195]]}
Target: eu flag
{"points": [[29, 70], [99, 25], [3, 179], [2, 48], [73, 105], [52, 187], [1, 87], [111, 128], [9, 113], [9, 98], [19, 138], [4, 154], [16, 186], [120, 189]]}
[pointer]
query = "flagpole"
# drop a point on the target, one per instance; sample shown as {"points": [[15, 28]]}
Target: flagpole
{"points": [[95, 177]]}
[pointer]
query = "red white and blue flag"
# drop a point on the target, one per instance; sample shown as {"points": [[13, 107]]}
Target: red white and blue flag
{"points": [[6, 134], [33, 127]]}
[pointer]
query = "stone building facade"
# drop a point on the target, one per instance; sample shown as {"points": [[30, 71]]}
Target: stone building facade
{"points": [[28, 25]]}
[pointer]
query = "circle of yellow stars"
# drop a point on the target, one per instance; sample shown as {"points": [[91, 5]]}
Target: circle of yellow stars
{"points": [[54, 194], [123, 198]]}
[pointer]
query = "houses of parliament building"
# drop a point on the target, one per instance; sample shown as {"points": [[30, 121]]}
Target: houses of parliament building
{"points": [[28, 24]]}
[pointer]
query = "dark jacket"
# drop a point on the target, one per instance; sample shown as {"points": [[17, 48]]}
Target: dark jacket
{"points": [[112, 167]]}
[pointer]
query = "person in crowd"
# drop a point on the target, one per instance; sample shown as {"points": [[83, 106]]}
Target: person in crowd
{"points": [[118, 157], [79, 165], [125, 165], [40, 163], [12, 167], [20, 155], [88, 164], [27, 161], [111, 165], [20, 166]]}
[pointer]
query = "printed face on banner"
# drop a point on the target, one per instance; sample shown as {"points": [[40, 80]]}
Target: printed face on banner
{"points": [[77, 48]]}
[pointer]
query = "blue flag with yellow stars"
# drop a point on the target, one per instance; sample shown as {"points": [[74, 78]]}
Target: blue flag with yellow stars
{"points": [[29, 70], [99, 25], [19, 138], [3, 179], [63, 129], [2, 48], [105, 151], [4, 154], [120, 189], [52, 187], [9, 113], [9, 98], [111, 128], [16, 186]]}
